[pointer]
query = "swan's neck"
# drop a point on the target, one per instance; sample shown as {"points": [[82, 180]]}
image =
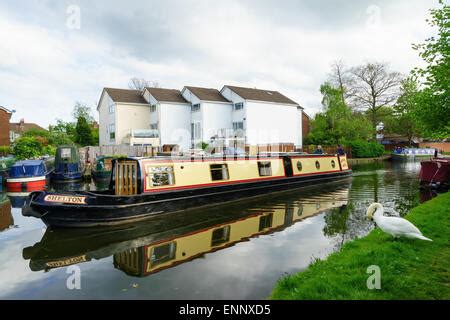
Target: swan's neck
{"points": [[378, 214]]}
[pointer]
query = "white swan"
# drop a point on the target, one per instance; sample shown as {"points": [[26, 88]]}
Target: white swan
{"points": [[395, 226]]}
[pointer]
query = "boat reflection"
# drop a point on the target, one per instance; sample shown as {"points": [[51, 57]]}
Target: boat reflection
{"points": [[6, 218], [18, 199], [168, 240]]}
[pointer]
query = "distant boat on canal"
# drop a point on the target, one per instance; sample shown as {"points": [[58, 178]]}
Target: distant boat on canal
{"points": [[144, 187], [67, 165], [28, 175], [412, 153]]}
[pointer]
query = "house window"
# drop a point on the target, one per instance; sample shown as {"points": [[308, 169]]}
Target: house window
{"points": [[195, 107], [265, 222], [112, 131], [163, 253], [239, 106], [153, 108], [264, 168], [220, 236], [219, 172], [196, 131], [160, 176], [154, 126], [111, 107], [238, 125]]}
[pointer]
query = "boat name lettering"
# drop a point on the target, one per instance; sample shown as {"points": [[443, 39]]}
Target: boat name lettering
{"points": [[65, 199]]}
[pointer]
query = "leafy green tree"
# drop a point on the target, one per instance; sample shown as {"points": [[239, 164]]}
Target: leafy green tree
{"points": [[28, 147], [337, 123], [81, 110], [83, 132], [433, 112]]}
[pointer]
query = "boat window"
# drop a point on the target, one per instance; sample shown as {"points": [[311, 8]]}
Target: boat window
{"points": [[265, 222], [220, 236], [300, 210], [333, 164], [299, 166], [65, 153], [317, 164], [264, 168], [219, 172], [163, 253], [160, 176]]}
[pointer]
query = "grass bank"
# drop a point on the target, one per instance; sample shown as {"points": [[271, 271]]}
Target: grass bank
{"points": [[410, 269]]}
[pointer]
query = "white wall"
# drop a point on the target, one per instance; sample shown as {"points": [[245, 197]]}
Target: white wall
{"points": [[236, 115], [175, 124], [105, 119], [216, 116], [272, 123]]}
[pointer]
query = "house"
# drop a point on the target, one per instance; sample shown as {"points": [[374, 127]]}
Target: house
{"points": [[124, 117], [170, 116], [5, 116], [306, 124], [17, 129], [210, 115], [265, 117], [233, 117]]}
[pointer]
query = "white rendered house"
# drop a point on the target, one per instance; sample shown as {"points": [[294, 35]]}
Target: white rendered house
{"points": [[265, 116], [210, 115]]}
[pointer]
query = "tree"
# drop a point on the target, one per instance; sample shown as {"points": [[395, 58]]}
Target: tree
{"points": [[84, 132], [82, 110], [340, 78], [27, 147], [405, 108], [433, 112], [140, 84], [337, 123], [374, 87]]}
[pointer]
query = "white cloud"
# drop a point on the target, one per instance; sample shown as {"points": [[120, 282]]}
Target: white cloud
{"points": [[45, 67]]}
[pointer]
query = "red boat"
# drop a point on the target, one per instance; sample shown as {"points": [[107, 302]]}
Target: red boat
{"points": [[27, 176], [435, 173]]}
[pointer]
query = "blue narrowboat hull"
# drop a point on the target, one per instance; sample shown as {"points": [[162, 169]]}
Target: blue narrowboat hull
{"points": [[71, 176]]}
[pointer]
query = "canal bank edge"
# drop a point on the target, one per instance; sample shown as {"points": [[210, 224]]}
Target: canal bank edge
{"points": [[409, 269], [353, 161]]}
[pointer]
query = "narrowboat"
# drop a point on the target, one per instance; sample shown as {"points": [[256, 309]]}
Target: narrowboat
{"points": [[67, 165], [435, 173], [144, 187], [102, 168], [28, 175], [145, 248], [412, 153]]}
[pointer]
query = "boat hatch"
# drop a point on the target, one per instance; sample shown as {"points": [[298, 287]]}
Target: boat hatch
{"points": [[126, 175]]}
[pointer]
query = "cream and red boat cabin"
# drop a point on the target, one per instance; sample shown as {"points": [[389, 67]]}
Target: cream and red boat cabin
{"points": [[141, 187]]}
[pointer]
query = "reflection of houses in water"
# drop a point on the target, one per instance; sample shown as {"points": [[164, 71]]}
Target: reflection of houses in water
{"points": [[167, 253], [6, 218]]}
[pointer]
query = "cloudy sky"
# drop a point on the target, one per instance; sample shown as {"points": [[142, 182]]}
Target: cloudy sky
{"points": [[49, 59]]}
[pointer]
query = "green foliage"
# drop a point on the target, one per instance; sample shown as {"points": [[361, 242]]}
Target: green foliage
{"points": [[364, 149], [28, 147], [81, 110], [5, 150], [337, 123], [411, 269], [433, 113], [204, 145], [83, 131], [95, 136]]}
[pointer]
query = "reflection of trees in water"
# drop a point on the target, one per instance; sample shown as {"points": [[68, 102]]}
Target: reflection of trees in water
{"points": [[346, 223]]}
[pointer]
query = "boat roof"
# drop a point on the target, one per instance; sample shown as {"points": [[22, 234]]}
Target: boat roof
{"points": [[28, 163]]}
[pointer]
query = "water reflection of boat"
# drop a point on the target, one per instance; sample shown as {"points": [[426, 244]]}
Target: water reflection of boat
{"points": [[6, 218], [18, 199], [168, 240]]}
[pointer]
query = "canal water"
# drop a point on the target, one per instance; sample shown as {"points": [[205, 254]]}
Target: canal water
{"points": [[235, 251]]}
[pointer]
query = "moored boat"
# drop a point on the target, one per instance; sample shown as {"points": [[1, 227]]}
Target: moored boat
{"points": [[143, 187], [67, 165], [28, 175], [5, 164], [435, 173], [412, 153], [102, 168]]}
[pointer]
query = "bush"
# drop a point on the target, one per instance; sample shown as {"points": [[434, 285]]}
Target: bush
{"points": [[5, 150], [364, 149], [27, 148]]}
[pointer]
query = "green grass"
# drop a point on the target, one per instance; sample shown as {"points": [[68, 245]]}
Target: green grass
{"points": [[410, 269]]}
